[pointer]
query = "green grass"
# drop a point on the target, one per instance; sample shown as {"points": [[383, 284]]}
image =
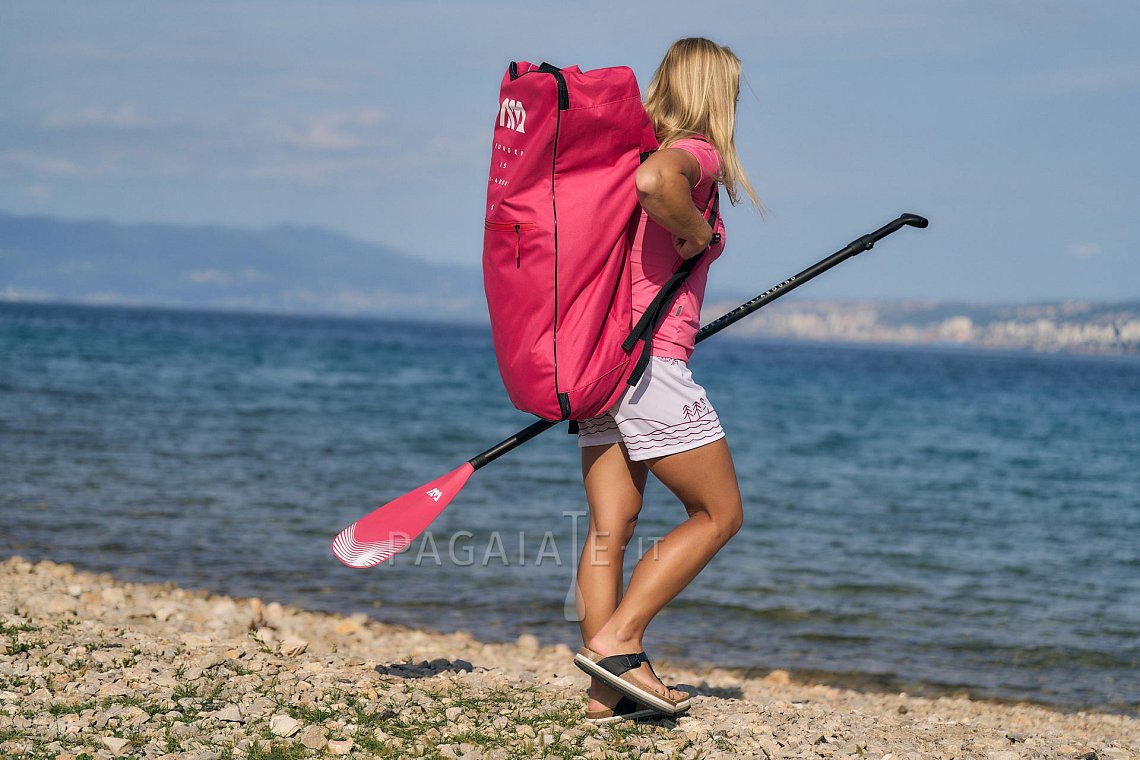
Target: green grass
{"points": [[60, 708], [280, 750], [261, 644], [8, 629]]}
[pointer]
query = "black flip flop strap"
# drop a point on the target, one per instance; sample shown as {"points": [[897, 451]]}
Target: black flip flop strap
{"points": [[625, 706], [620, 663]]}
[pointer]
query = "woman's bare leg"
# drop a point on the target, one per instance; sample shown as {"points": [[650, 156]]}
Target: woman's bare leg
{"points": [[704, 479], [614, 488]]}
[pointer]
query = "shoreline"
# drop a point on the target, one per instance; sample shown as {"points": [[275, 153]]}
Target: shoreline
{"points": [[853, 680], [93, 665]]}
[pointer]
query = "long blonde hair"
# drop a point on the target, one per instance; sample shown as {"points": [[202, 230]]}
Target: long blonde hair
{"points": [[694, 92]]}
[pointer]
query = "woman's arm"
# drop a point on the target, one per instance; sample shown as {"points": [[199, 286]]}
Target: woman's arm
{"points": [[664, 183]]}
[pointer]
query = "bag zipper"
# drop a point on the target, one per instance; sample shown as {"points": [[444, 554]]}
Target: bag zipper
{"points": [[517, 228]]}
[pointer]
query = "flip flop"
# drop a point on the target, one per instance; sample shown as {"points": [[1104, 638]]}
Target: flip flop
{"points": [[625, 709], [614, 671]]}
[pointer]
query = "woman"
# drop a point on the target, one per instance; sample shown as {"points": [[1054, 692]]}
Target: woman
{"points": [[665, 425]]}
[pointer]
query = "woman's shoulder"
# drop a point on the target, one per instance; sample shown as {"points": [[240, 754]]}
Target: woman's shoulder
{"points": [[701, 149]]}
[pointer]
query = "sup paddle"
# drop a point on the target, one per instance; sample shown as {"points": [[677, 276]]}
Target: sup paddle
{"points": [[392, 527]]}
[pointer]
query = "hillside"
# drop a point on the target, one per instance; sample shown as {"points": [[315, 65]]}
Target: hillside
{"points": [[281, 269]]}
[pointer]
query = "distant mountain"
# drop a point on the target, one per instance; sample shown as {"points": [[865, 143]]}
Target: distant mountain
{"points": [[282, 269], [307, 270]]}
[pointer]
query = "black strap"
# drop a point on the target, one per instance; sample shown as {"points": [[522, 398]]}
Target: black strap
{"points": [[625, 706], [659, 306], [620, 663], [563, 91]]}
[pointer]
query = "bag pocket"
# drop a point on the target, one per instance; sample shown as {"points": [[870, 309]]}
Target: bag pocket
{"points": [[509, 228]]}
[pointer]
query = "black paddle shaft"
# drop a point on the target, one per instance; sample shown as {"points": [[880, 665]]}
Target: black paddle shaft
{"points": [[855, 247]]}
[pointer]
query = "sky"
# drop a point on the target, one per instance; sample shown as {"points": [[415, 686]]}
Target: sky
{"points": [[1013, 125]]}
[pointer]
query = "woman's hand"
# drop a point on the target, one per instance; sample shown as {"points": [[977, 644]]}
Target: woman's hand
{"points": [[687, 249], [664, 186]]}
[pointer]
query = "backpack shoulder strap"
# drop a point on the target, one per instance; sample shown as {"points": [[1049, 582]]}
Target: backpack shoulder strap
{"points": [[659, 306]]}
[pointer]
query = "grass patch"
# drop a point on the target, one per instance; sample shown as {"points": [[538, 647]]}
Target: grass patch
{"points": [[60, 708], [276, 751], [11, 629], [18, 646], [237, 668], [261, 644]]}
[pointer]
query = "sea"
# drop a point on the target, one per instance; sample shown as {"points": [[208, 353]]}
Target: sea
{"points": [[934, 520]]}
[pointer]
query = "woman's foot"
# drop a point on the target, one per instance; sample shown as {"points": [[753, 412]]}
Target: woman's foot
{"points": [[607, 645], [601, 696]]}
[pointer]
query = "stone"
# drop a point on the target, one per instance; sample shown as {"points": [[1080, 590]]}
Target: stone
{"points": [[293, 647], [315, 737], [284, 726], [340, 747], [211, 660], [116, 745], [347, 627], [778, 678], [230, 714]]}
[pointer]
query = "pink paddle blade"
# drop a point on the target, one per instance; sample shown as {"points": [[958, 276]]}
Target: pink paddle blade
{"points": [[391, 528]]}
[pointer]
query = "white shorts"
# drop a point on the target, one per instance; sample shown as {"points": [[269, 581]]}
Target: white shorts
{"points": [[665, 414]]}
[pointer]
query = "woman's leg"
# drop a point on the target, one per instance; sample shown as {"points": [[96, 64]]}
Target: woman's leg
{"points": [[704, 479], [614, 488]]}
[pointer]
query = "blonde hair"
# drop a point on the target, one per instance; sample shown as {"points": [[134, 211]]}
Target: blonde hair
{"points": [[694, 93]]}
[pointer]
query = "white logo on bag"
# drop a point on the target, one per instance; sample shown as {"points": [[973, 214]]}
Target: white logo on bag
{"points": [[512, 115], [435, 493]]}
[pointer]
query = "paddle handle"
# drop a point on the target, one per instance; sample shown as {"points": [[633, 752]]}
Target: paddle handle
{"points": [[865, 243], [507, 444]]}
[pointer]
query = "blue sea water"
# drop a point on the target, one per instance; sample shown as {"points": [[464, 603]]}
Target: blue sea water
{"points": [[916, 519]]}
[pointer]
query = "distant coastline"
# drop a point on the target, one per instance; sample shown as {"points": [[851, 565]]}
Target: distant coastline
{"points": [[1077, 327]]}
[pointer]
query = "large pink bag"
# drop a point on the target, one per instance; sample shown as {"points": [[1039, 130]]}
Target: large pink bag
{"points": [[560, 215]]}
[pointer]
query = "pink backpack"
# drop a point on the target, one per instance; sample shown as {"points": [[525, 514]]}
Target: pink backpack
{"points": [[561, 210]]}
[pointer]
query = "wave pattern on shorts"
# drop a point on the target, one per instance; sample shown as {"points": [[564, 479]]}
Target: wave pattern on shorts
{"points": [[670, 436], [597, 425]]}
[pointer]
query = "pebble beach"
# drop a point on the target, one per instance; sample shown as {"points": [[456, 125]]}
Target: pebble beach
{"points": [[92, 667]]}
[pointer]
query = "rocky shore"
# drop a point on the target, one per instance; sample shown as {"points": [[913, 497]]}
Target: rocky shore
{"points": [[91, 667]]}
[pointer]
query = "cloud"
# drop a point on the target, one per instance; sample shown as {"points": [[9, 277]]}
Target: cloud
{"points": [[207, 277], [15, 161], [218, 277], [313, 171], [38, 190], [336, 130], [126, 116], [1083, 250], [97, 159], [24, 294]]}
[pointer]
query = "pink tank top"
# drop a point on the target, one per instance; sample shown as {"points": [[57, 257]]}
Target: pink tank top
{"points": [[654, 260]]}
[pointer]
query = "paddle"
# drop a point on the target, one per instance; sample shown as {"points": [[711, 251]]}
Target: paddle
{"points": [[392, 527]]}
